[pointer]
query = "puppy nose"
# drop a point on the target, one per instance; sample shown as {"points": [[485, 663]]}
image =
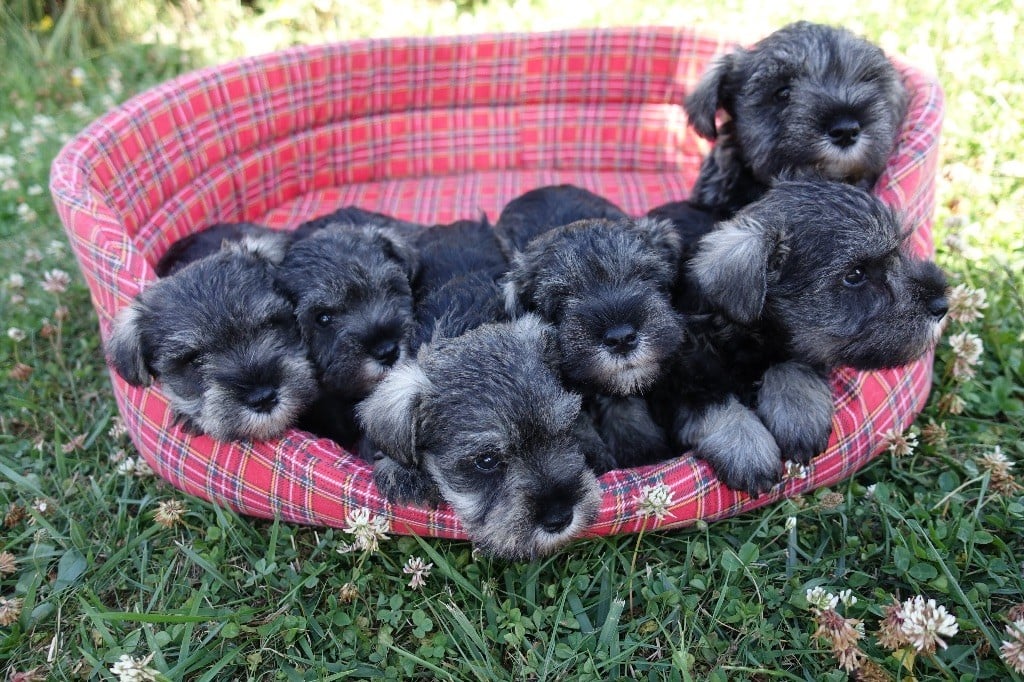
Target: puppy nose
{"points": [[620, 339], [556, 518], [262, 398], [386, 352], [938, 307], [844, 131]]}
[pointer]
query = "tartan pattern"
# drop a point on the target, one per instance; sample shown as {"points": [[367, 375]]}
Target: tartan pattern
{"points": [[429, 130]]}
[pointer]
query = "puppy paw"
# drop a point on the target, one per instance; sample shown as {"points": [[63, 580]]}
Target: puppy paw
{"points": [[401, 484], [795, 404], [740, 449]]}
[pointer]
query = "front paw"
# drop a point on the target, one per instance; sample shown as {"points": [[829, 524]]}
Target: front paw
{"points": [[751, 465], [404, 485], [795, 404], [803, 445]]}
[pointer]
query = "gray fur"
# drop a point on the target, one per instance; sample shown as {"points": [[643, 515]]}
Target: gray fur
{"points": [[795, 402], [483, 418], [221, 343], [809, 101]]}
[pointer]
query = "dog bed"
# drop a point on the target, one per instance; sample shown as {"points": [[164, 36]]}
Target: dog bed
{"points": [[431, 130]]}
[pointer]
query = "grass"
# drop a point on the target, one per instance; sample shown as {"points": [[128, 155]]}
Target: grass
{"points": [[218, 596]]}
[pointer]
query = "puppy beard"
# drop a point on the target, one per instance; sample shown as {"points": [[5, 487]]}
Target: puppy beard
{"points": [[503, 522], [589, 364], [853, 164], [354, 375], [226, 418]]}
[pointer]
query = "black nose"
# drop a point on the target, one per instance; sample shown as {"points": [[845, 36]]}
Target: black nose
{"points": [[938, 307], [620, 339], [262, 398], [556, 517], [386, 352], [844, 131]]}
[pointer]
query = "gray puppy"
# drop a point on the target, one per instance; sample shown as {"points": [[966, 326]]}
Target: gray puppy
{"points": [[487, 425], [533, 213], [607, 288], [350, 285], [809, 101], [809, 278], [223, 345]]}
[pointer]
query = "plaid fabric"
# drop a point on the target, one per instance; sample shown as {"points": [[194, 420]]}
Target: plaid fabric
{"points": [[429, 130]]}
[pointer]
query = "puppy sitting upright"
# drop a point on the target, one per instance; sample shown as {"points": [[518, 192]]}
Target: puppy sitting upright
{"points": [[807, 102], [809, 278], [353, 302], [606, 286], [223, 345], [482, 422]]}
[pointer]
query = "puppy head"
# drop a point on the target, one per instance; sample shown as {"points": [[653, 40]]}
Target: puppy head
{"points": [[486, 418], [808, 101], [822, 264], [223, 345], [607, 287], [350, 287]]}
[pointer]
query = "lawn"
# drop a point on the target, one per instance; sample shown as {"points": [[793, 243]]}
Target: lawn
{"points": [[100, 560]]}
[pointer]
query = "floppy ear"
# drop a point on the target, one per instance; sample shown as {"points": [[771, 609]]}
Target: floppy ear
{"points": [[389, 415], [705, 100], [124, 348], [663, 237], [731, 266], [519, 284], [269, 246], [398, 249]]}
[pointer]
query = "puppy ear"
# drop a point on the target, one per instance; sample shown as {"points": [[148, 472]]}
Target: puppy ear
{"points": [[399, 249], [704, 101], [270, 246], [518, 285], [731, 266], [663, 237], [124, 348], [389, 415]]}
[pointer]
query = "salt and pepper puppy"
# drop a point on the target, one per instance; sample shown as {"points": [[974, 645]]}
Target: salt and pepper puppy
{"points": [[535, 212], [606, 288], [808, 101], [192, 247], [354, 307], [809, 278], [222, 344], [485, 419]]}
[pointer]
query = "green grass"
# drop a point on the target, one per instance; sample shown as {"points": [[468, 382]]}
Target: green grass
{"points": [[220, 596]]}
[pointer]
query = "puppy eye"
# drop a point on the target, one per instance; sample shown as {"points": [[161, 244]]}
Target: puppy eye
{"points": [[487, 462], [782, 94], [855, 277], [323, 318]]}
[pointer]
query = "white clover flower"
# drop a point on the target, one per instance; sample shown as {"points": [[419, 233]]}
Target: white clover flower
{"points": [[26, 213], [366, 528], [847, 598], [901, 444], [15, 334], [34, 190], [966, 304], [1012, 650], [131, 669], [126, 467], [15, 281], [790, 522], [56, 281], [10, 184], [818, 598], [419, 570], [655, 500], [924, 622]]}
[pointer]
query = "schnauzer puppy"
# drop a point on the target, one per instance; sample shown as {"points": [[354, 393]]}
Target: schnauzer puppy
{"points": [[807, 102], [354, 306], [482, 422], [354, 217], [606, 286], [809, 278], [188, 249], [537, 211], [222, 343]]}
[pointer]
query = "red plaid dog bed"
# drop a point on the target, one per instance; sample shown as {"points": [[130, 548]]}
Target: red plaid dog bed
{"points": [[429, 130]]}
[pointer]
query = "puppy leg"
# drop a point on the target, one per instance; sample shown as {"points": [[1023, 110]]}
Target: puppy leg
{"points": [[795, 403], [402, 484], [731, 438], [627, 428], [596, 453]]}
